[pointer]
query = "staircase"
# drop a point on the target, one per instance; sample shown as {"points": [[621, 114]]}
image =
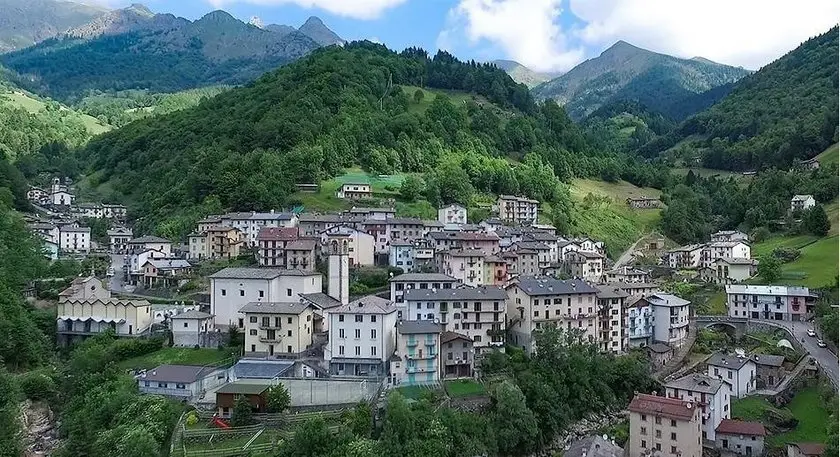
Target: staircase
{"points": [[677, 360]]}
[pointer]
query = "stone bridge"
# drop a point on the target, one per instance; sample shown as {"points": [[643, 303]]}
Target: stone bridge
{"points": [[738, 325]]}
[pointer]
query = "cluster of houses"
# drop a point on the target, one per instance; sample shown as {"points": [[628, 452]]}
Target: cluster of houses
{"points": [[725, 259], [61, 229]]}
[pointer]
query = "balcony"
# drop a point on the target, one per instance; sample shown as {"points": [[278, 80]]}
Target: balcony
{"points": [[269, 327], [271, 339]]}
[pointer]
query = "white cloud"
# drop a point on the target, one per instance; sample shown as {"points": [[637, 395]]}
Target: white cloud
{"points": [[526, 31], [357, 9], [749, 33]]}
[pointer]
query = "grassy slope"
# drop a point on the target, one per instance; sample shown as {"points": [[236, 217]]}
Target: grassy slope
{"points": [[173, 355], [817, 264], [33, 105], [456, 97], [614, 223], [807, 406], [830, 155]]}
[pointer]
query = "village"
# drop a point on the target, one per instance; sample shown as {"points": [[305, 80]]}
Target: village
{"points": [[288, 286]]}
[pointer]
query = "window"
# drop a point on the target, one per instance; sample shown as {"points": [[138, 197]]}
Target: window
{"points": [[289, 292], [358, 350], [289, 320], [536, 314], [241, 292], [477, 338], [162, 384], [729, 374], [657, 420], [643, 431], [358, 334], [180, 386], [186, 324], [278, 321], [449, 356], [224, 292], [673, 449], [262, 293], [373, 318], [373, 333], [359, 318], [457, 315], [726, 444], [658, 447], [253, 332], [341, 333], [252, 319], [341, 350], [658, 434], [673, 436], [341, 317], [673, 423], [373, 350], [644, 418], [644, 444]]}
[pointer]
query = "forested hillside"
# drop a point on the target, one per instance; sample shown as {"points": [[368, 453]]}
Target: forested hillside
{"points": [[244, 149], [784, 112], [664, 84], [160, 53], [120, 108], [26, 22]]}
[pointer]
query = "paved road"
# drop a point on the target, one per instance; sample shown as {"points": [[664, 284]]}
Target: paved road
{"points": [[117, 282], [827, 361], [627, 255]]}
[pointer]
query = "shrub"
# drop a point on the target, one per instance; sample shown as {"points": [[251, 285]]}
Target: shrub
{"points": [[37, 385], [786, 255], [192, 418]]}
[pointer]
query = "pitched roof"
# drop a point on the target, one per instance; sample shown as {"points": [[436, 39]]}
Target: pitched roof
{"points": [[750, 289], [460, 293], [301, 245], [589, 254], [410, 327], [243, 388], [168, 264], [727, 361], [659, 348], [148, 239], [76, 229], [370, 304], [660, 299], [593, 446], [274, 308], [446, 337], [811, 449], [532, 245], [321, 300], [610, 291], [258, 273], [736, 427], [362, 210], [696, 382], [261, 369], [192, 314], [660, 406], [801, 197], [419, 277], [737, 261], [543, 285], [278, 233], [768, 360], [182, 374], [465, 252]]}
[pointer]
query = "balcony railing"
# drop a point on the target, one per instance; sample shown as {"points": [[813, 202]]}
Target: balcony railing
{"points": [[274, 339], [269, 327]]}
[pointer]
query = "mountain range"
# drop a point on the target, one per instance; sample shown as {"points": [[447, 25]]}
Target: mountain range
{"points": [[522, 74], [26, 22], [625, 72], [133, 48]]}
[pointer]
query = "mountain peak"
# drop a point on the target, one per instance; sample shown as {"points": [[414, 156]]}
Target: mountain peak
{"points": [[622, 46], [218, 16], [314, 28], [140, 9]]}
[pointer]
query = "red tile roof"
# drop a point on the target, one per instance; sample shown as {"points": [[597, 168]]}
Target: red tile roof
{"points": [[661, 406], [810, 448], [277, 233], [736, 427]]}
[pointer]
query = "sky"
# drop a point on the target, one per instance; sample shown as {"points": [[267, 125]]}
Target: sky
{"points": [[548, 35]]}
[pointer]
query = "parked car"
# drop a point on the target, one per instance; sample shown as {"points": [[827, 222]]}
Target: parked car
{"points": [[821, 343], [811, 332]]}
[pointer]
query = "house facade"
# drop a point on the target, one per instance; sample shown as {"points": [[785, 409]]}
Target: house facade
{"points": [[536, 301], [465, 265], [778, 303], [626, 274], [708, 393], [738, 372], [664, 426], [457, 355], [360, 247], [740, 438], [416, 360], [724, 249], [586, 265], [611, 317], [361, 337], [519, 210], [477, 313], [118, 238], [399, 285], [182, 382], [74, 240], [801, 203], [452, 214], [78, 319], [671, 318], [354, 191], [193, 328], [278, 329]]}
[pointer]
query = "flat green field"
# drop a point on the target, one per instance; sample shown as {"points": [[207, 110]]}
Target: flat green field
{"points": [[325, 200], [808, 407], [177, 356], [34, 105], [463, 388]]}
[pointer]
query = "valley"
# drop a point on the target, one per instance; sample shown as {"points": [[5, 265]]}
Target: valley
{"points": [[222, 237]]}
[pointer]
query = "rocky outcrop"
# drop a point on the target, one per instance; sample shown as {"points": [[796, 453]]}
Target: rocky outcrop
{"points": [[40, 430]]}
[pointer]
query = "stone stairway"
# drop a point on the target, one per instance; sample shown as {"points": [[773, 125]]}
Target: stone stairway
{"points": [[677, 360]]}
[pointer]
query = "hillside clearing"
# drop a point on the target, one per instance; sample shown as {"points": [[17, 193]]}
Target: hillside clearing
{"points": [[829, 156], [808, 407], [33, 105]]}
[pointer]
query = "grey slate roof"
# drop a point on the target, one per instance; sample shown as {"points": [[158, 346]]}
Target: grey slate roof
{"points": [[660, 299], [593, 446], [696, 383], [243, 388], [409, 327], [610, 291], [261, 369], [181, 374], [258, 273], [192, 314], [731, 362], [768, 360], [659, 348], [461, 293], [423, 277], [369, 304], [543, 285], [446, 337], [321, 300], [274, 308], [149, 239]]}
